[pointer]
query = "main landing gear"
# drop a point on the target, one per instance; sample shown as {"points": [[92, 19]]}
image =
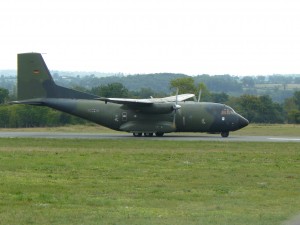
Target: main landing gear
{"points": [[224, 134], [157, 134]]}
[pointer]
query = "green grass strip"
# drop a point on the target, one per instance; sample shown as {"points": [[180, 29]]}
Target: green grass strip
{"points": [[45, 181]]}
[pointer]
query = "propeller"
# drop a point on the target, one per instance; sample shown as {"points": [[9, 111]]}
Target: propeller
{"points": [[175, 108], [199, 96]]}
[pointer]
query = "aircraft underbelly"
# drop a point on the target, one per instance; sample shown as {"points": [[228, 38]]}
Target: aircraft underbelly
{"points": [[159, 126]]}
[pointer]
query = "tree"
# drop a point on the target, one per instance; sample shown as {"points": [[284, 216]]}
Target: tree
{"points": [[297, 80], [220, 83], [4, 116], [258, 109], [219, 97], [113, 90], [144, 93], [247, 105], [248, 82], [3, 95], [269, 112], [260, 79], [292, 108], [297, 99], [184, 84]]}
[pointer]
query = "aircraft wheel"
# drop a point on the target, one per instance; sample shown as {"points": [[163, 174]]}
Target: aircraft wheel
{"points": [[225, 134], [148, 134], [137, 134], [159, 134]]}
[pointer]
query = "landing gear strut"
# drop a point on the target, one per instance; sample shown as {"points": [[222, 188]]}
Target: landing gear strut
{"points": [[225, 134]]}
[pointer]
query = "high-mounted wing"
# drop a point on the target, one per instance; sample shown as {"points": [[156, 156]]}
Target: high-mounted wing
{"points": [[148, 101], [127, 101], [180, 98]]}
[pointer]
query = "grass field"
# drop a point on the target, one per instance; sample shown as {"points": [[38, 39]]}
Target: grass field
{"points": [[45, 181], [270, 130]]}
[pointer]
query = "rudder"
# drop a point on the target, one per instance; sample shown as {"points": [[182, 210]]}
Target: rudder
{"points": [[35, 80], [33, 76]]}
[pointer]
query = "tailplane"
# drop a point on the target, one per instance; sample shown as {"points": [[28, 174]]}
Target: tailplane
{"points": [[35, 80]]}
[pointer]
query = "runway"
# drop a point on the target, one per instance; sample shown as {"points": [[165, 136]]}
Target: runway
{"points": [[166, 137]]}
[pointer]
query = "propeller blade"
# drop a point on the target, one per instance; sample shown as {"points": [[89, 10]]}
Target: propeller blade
{"points": [[177, 90], [176, 107], [199, 96], [174, 120]]}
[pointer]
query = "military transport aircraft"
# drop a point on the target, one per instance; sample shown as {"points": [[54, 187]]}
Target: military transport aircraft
{"points": [[138, 116]]}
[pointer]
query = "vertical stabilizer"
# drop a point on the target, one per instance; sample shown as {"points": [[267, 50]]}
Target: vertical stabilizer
{"points": [[33, 76], [35, 80]]}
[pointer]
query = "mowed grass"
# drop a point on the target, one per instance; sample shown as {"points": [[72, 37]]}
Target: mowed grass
{"points": [[45, 181], [292, 130]]}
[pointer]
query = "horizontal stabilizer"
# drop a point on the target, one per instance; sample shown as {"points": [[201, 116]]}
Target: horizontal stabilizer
{"points": [[37, 101]]}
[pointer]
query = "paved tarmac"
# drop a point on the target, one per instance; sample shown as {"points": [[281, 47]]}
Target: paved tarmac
{"points": [[169, 137]]}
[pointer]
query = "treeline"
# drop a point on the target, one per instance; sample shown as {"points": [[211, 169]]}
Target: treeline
{"points": [[278, 87], [256, 108], [17, 116]]}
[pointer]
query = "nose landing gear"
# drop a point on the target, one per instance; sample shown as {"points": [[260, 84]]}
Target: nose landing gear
{"points": [[225, 134]]}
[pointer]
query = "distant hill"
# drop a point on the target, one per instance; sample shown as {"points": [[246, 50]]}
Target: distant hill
{"points": [[8, 73], [157, 82], [278, 87]]}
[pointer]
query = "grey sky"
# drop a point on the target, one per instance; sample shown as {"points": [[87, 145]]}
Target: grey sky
{"points": [[235, 37]]}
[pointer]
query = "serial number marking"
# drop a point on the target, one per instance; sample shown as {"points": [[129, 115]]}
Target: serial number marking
{"points": [[93, 110]]}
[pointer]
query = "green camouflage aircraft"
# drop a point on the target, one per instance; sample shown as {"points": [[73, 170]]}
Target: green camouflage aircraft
{"points": [[137, 116]]}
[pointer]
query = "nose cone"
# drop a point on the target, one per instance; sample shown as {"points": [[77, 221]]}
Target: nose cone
{"points": [[243, 122]]}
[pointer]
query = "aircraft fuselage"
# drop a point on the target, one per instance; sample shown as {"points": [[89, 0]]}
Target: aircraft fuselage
{"points": [[138, 116], [191, 117]]}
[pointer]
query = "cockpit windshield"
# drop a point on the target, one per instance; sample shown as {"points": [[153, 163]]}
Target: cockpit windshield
{"points": [[227, 111]]}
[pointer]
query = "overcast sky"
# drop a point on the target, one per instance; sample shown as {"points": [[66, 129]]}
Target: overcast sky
{"points": [[237, 37]]}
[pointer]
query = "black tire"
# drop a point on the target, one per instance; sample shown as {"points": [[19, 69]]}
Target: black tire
{"points": [[159, 134], [137, 134], [148, 134], [225, 134]]}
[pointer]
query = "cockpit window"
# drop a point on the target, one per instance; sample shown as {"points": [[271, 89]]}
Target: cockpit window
{"points": [[227, 111]]}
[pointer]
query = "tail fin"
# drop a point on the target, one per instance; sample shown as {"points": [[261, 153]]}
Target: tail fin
{"points": [[35, 80]]}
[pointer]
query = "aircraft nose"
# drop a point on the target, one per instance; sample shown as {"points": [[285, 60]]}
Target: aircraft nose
{"points": [[243, 122]]}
